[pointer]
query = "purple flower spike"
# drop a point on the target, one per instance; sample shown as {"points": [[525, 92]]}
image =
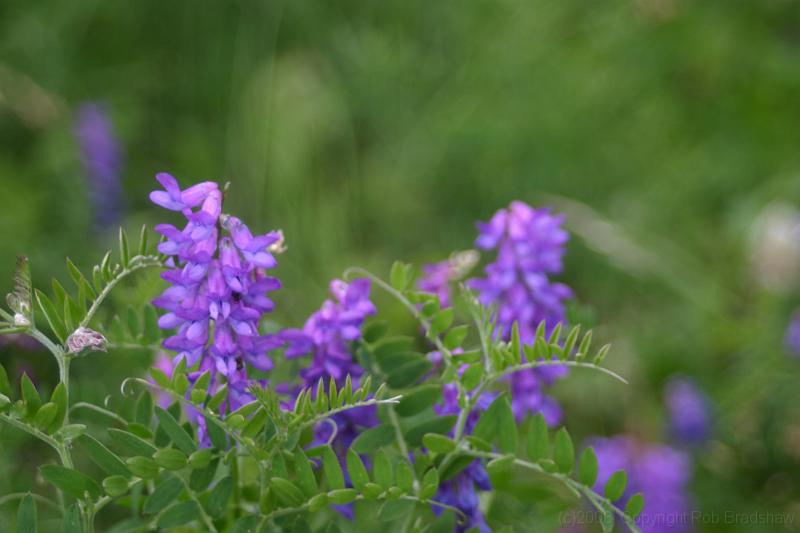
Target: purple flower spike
{"points": [[659, 472], [102, 160], [791, 340], [327, 336], [215, 286], [530, 245], [689, 411]]}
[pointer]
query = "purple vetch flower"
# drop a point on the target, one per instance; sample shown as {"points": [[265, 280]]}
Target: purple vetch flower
{"points": [[791, 339], [437, 278], [218, 283], [689, 411], [327, 336], [530, 245], [659, 472], [102, 160]]}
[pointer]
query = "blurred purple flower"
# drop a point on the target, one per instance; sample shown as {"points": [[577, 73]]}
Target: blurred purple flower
{"points": [[102, 160], [218, 283], [20, 340], [689, 411], [791, 339], [437, 278], [328, 335], [659, 472], [530, 245]]}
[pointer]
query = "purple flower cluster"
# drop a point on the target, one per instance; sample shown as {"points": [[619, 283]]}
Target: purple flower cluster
{"points": [[218, 283], [689, 411], [659, 472], [102, 159], [328, 335], [530, 245]]}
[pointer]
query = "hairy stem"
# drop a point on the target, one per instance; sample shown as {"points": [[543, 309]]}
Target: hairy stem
{"points": [[578, 488], [136, 263]]}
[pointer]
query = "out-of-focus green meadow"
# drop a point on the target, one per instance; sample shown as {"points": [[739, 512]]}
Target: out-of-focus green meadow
{"points": [[667, 130]]}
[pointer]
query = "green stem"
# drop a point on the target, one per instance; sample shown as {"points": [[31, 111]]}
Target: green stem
{"points": [[237, 495], [136, 263], [32, 431], [98, 409], [203, 515], [373, 401], [63, 375]]}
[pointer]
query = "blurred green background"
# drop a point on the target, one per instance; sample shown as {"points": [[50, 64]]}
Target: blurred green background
{"points": [[667, 130]]}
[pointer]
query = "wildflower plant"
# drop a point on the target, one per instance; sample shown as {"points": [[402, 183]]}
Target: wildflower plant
{"points": [[372, 429]]}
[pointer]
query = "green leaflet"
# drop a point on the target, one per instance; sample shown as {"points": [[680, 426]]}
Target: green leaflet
{"points": [[372, 439], [419, 399], [382, 470], [59, 397], [179, 514], [176, 433], [395, 509], [287, 492], [333, 472], [563, 451], [615, 486], [440, 424], [304, 474], [538, 439], [72, 520], [635, 505], [103, 457], [218, 499], [165, 494], [29, 395], [356, 470], [131, 443], [27, 520], [497, 424], [70, 481], [588, 467]]}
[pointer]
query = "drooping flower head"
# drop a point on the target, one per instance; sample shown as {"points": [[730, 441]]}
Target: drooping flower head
{"points": [[659, 472], [218, 283], [102, 161], [530, 245], [327, 336], [689, 411]]}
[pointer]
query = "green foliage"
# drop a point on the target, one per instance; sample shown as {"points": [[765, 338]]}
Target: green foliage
{"points": [[27, 519], [258, 465]]}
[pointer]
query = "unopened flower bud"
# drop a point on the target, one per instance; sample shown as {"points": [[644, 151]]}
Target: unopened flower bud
{"points": [[85, 338], [279, 246], [462, 262], [21, 320]]}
